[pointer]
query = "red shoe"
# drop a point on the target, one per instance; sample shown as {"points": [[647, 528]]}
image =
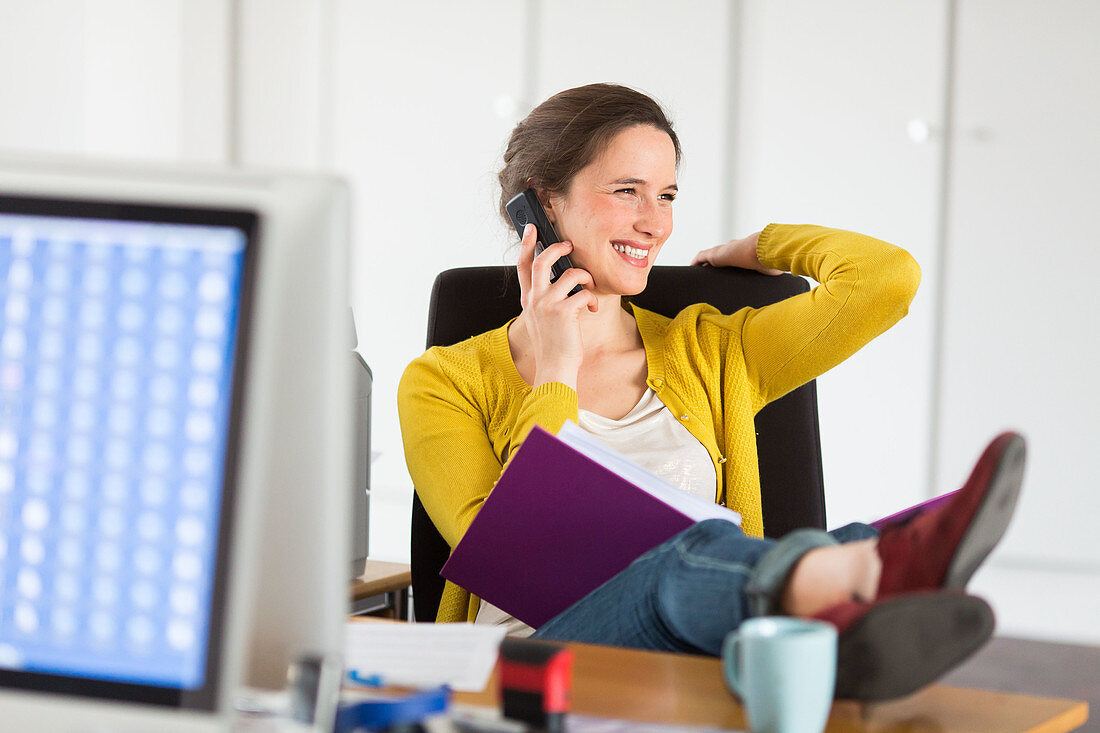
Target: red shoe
{"points": [[896, 646], [943, 547]]}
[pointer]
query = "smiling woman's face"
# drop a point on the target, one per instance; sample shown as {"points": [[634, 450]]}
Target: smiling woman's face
{"points": [[617, 211]]}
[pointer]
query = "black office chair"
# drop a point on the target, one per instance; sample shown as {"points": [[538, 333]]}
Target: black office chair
{"points": [[470, 300]]}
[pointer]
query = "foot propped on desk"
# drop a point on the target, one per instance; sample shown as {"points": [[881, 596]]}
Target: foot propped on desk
{"points": [[890, 648]]}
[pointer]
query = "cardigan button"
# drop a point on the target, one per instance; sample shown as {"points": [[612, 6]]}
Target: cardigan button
{"points": [[658, 382], [722, 459], [684, 417]]}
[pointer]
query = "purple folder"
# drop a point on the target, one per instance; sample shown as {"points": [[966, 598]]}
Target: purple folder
{"points": [[556, 526], [906, 514]]}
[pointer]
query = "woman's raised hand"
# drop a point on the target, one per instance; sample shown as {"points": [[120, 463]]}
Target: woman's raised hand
{"points": [[550, 314], [735, 253]]}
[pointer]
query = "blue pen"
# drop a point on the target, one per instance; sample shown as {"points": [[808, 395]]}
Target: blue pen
{"points": [[369, 680]]}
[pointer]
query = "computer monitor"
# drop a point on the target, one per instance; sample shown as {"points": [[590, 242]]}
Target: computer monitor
{"points": [[175, 440]]}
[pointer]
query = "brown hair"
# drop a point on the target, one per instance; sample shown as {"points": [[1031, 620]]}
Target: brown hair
{"points": [[568, 131]]}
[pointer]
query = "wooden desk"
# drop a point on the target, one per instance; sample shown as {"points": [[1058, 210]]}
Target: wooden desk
{"points": [[387, 581], [1032, 667], [674, 688]]}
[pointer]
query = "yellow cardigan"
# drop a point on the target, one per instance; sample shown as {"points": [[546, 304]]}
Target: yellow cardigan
{"points": [[464, 408]]}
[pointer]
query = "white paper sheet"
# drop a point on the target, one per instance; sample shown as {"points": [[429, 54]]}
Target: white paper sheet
{"points": [[422, 655], [592, 724], [687, 504], [479, 719]]}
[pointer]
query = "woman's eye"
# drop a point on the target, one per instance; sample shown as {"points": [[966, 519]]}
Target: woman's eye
{"points": [[668, 196], [626, 190]]}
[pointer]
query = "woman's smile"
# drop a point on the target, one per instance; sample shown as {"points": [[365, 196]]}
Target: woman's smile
{"points": [[633, 253]]}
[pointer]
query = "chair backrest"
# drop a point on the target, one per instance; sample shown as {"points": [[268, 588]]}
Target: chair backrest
{"points": [[471, 300]]}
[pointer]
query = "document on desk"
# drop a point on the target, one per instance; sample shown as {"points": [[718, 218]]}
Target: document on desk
{"points": [[422, 655], [593, 724], [567, 514], [481, 719]]}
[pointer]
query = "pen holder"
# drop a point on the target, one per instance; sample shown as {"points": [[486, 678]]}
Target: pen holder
{"points": [[535, 682]]}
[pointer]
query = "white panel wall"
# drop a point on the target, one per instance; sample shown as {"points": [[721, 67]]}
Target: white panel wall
{"points": [[282, 82], [680, 56], [115, 78], [132, 80], [1020, 340], [206, 81], [827, 91], [789, 109], [416, 129], [43, 103]]}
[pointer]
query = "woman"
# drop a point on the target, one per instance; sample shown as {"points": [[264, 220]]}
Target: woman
{"points": [[684, 393]]}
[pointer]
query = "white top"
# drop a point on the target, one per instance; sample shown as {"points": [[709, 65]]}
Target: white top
{"points": [[651, 436]]}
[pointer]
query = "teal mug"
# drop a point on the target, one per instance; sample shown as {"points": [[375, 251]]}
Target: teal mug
{"points": [[784, 671]]}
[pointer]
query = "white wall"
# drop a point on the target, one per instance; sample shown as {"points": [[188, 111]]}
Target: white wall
{"points": [[1020, 344], [115, 78], [282, 80], [420, 121], [788, 110], [682, 60], [44, 103], [823, 138], [992, 202]]}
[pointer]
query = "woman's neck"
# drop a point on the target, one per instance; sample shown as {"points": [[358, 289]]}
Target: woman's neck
{"points": [[610, 328]]}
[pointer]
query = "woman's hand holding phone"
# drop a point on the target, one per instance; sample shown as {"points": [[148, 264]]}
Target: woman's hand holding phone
{"points": [[550, 315]]}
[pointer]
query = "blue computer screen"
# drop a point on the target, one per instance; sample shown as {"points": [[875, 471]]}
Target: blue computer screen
{"points": [[117, 344]]}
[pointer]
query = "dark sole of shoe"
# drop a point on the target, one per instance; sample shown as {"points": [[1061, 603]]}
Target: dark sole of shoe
{"points": [[993, 515], [903, 644]]}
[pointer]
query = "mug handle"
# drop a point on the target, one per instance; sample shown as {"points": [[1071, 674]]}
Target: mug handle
{"points": [[731, 664]]}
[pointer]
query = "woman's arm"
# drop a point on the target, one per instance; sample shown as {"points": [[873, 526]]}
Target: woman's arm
{"points": [[448, 450], [866, 286]]}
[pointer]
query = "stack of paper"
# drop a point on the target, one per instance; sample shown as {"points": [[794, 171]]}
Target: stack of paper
{"points": [[422, 655]]}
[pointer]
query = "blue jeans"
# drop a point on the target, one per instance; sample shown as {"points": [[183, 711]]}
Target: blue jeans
{"points": [[687, 593]]}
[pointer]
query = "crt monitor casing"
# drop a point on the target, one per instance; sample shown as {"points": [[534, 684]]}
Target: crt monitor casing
{"points": [[286, 592]]}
